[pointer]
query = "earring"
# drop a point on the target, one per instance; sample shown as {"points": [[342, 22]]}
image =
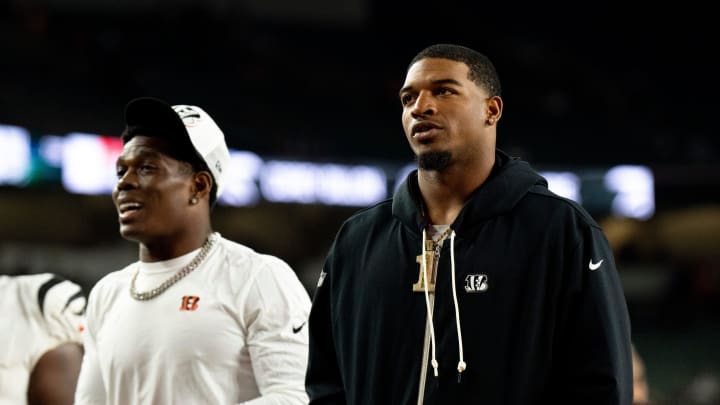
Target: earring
{"points": [[193, 200], [490, 121]]}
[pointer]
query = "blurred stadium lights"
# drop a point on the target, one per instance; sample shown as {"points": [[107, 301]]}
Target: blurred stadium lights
{"points": [[241, 189], [634, 191], [87, 166], [88, 163], [329, 183], [15, 156], [566, 184]]}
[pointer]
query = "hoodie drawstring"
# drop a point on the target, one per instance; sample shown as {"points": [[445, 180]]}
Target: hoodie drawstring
{"points": [[429, 309], [461, 363]]}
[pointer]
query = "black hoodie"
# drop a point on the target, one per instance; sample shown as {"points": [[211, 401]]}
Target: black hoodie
{"points": [[543, 318]]}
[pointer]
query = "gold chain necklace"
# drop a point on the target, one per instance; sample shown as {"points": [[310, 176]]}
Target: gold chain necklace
{"points": [[146, 295], [444, 235], [427, 221], [437, 244]]}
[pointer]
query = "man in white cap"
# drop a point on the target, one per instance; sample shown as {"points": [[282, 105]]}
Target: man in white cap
{"points": [[199, 319]]}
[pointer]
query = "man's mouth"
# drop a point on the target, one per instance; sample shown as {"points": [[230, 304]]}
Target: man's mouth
{"points": [[423, 128], [129, 206]]}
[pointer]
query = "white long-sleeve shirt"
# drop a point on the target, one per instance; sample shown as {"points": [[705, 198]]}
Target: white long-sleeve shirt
{"points": [[232, 331]]}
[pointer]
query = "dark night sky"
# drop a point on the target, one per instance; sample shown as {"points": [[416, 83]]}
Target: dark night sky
{"points": [[583, 84]]}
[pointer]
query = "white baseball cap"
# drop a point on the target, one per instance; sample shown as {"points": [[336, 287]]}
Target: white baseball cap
{"points": [[189, 122]]}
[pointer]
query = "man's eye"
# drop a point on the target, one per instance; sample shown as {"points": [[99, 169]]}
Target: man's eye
{"points": [[120, 171], [146, 168], [406, 99], [445, 91]]}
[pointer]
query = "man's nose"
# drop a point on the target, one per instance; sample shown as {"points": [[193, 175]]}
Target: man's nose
{"points": [[126, 181], [424, 104]]}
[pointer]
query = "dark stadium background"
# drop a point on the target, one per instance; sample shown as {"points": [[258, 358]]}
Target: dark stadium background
{"points": [[585, 85]]}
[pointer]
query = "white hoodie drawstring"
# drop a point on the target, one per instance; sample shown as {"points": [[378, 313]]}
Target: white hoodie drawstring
{"points": [[429, 309], [461, 363]]}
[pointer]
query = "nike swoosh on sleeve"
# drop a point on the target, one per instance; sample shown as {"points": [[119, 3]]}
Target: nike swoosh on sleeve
{"points": [[297, 329], [595, 266]]}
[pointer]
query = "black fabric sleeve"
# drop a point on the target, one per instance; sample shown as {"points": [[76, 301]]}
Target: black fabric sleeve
{"points": [[593, 363], [323, 380]]}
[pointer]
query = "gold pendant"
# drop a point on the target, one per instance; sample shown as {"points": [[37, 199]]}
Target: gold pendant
{"points": [[429, 256]]}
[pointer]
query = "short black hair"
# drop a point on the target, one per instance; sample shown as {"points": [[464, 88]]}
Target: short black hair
{"points": [[481, 70]]}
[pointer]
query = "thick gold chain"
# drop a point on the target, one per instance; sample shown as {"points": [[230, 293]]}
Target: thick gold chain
{"points": [[444, 235], [146, 295], [437, 244]]}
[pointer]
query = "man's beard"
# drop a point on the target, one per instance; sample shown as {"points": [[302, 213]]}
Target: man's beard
{"points": [[437, 161]]}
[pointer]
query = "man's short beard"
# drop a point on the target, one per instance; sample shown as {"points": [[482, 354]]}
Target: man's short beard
{"points": [[437, 161]]}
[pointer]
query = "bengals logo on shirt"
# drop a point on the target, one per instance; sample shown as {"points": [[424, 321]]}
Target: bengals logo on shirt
{"points": [[189, 303]]}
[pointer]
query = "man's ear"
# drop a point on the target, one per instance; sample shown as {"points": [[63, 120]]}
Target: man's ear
{"points": [[202, 184], [493, 109]]}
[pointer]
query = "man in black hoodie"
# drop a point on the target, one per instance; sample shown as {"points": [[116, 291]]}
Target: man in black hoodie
{"points": [[475, 283]]}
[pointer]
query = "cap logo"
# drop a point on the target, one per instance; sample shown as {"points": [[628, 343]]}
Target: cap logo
{"points": [[188, 115]]}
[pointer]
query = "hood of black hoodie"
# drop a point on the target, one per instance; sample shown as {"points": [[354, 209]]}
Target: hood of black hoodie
{"points": [[509, 182]]}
